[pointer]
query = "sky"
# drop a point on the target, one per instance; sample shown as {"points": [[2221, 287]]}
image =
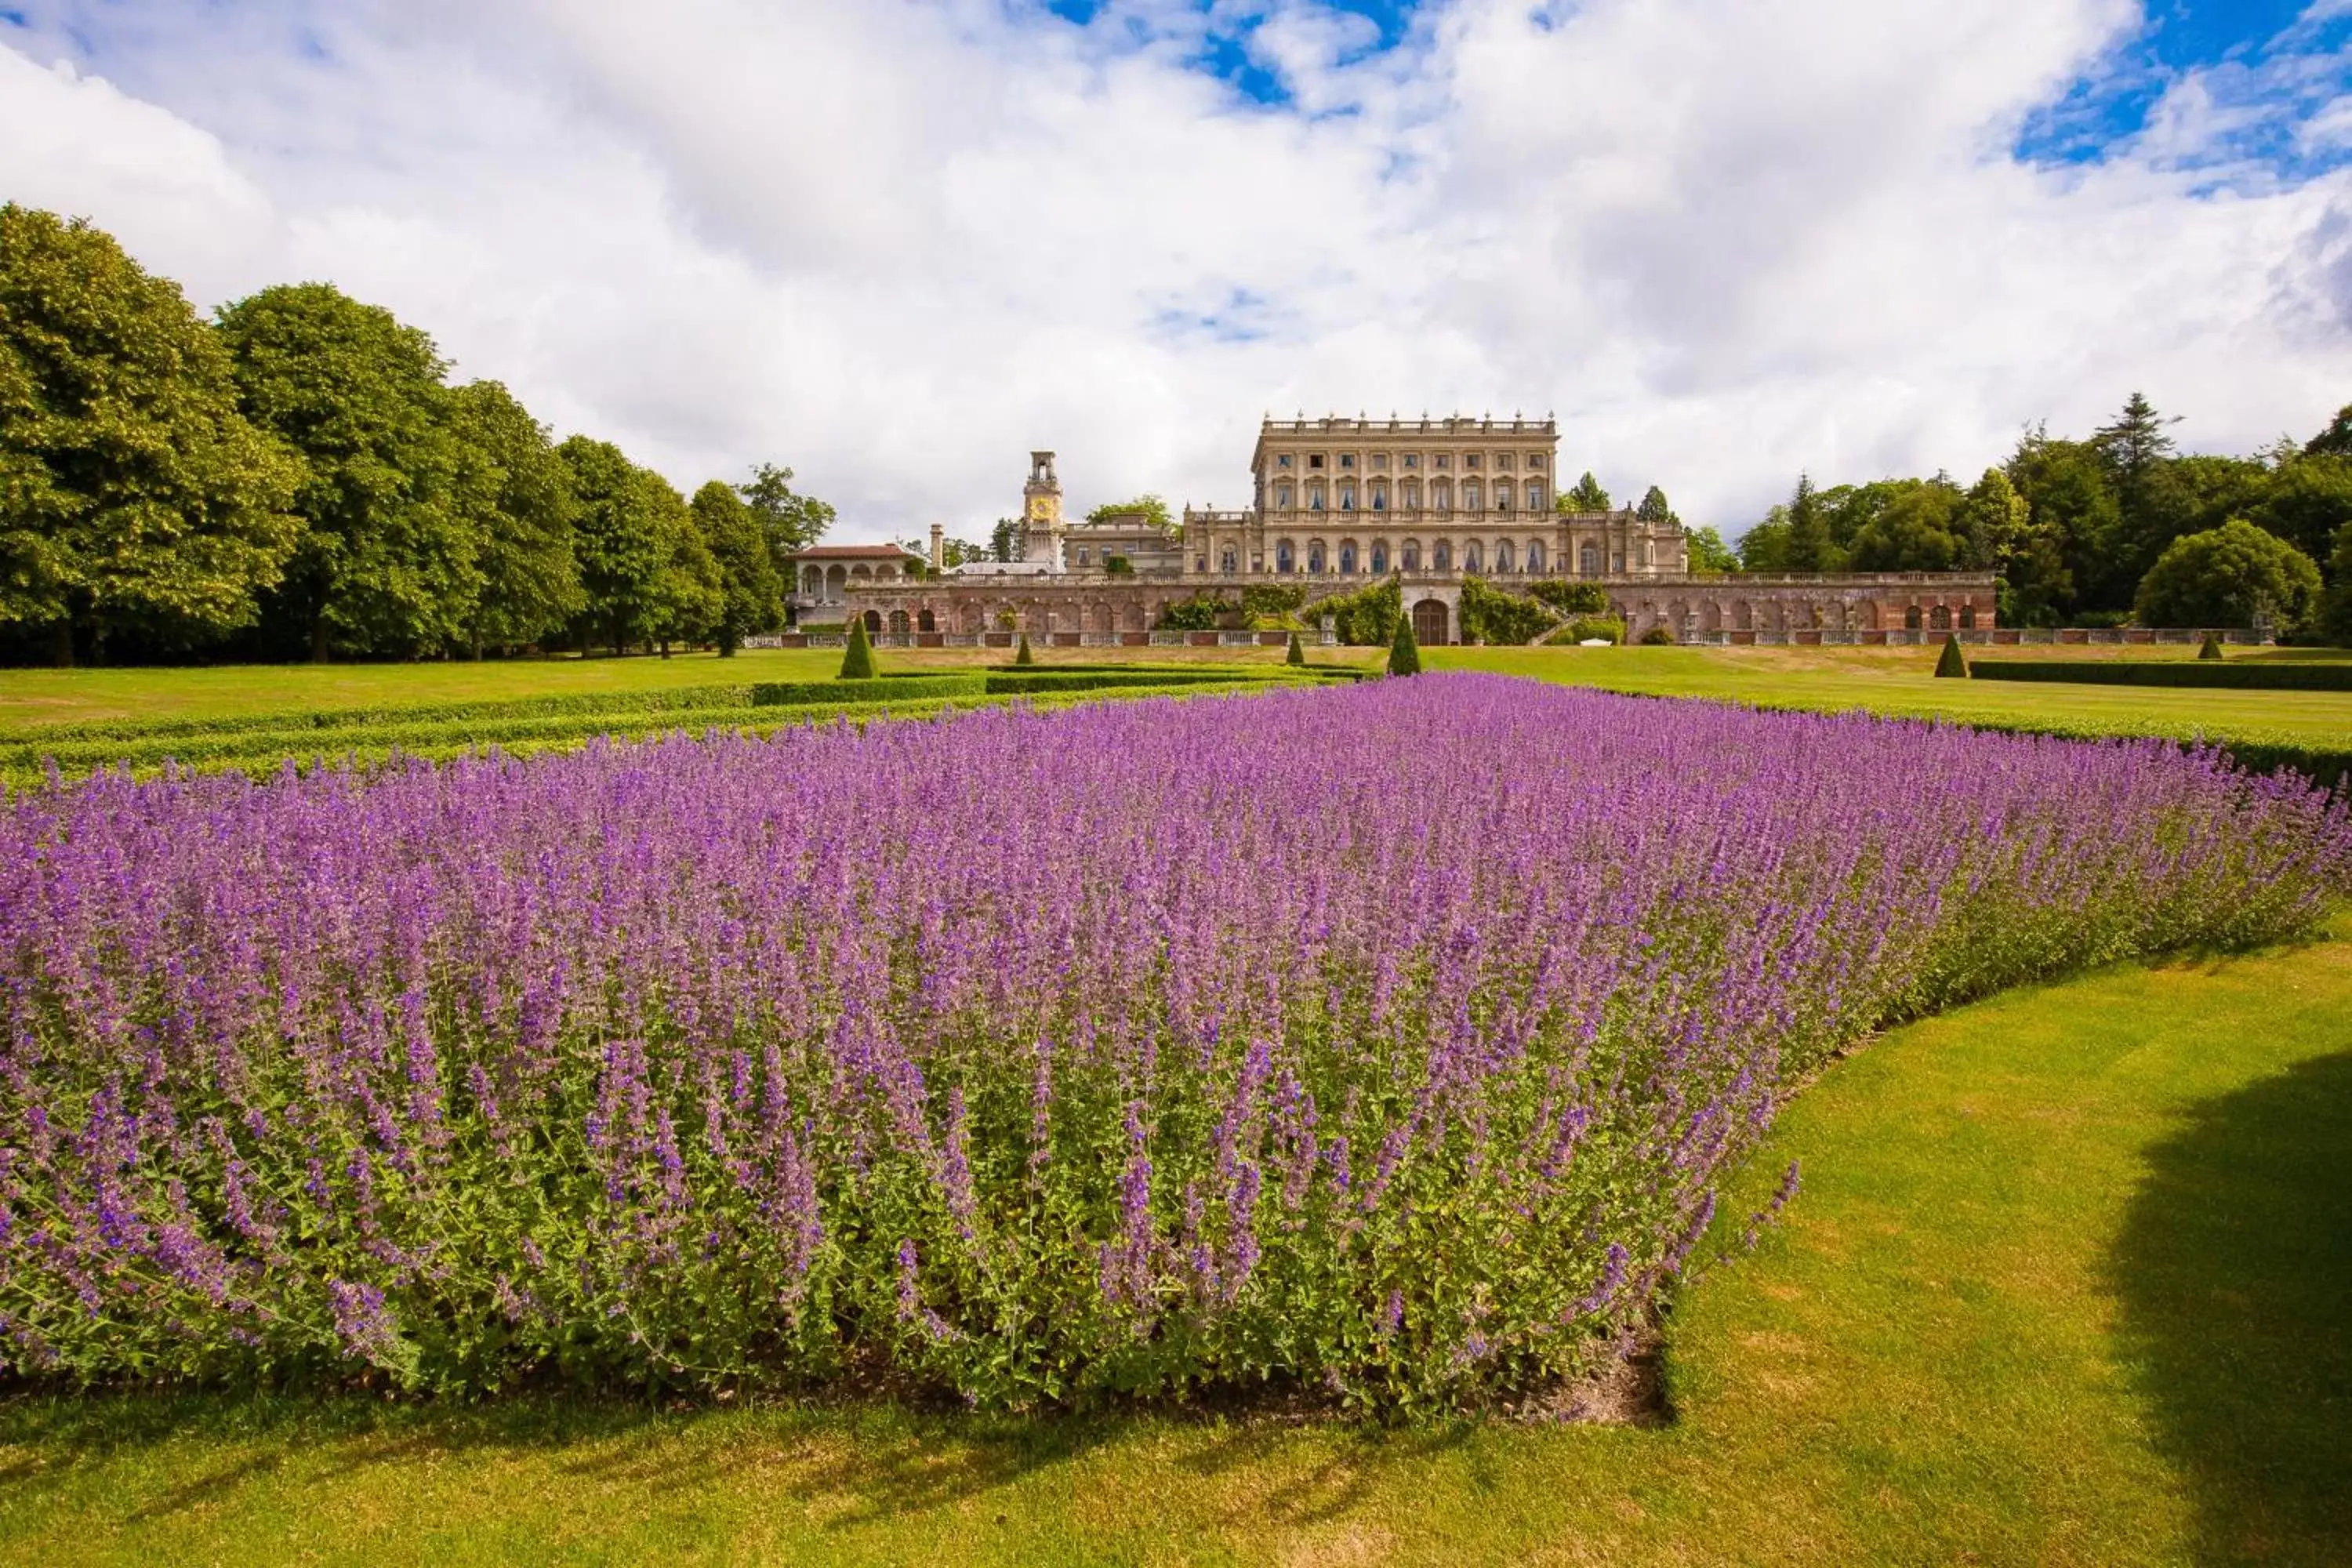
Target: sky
{"points": [[897, 244]]}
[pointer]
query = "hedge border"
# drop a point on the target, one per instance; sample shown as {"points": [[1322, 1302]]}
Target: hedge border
{"points": [[2247, 675]]}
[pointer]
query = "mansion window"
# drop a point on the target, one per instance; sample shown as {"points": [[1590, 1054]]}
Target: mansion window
{"points": [[1225, 562], [1283, 461], [1469, 495], [1314, 556], [1440, 556], [1082, 554], [1588, 561], [1535, 554], [1347, 498], [1502, 460], [1412, 460], [1281, 497], [1535, 465], [1439, 461], [1469, 459], [1316, 461], [1381, 556], [1348, 556], [1534, 495], [1347, 459], [1380, 496], [1503, 555], [1502, 495], [1617, 562], [1380, 462], [1408, 495], [1470, 556], [1283, 557], [1315, 497], [1411, 555], [1441, 496]]}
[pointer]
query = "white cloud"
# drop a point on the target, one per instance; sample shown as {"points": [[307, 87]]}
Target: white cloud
{"points": [[897, 244]]}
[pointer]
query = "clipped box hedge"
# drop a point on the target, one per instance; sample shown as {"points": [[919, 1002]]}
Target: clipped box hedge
{"points": [[2245, 675]]}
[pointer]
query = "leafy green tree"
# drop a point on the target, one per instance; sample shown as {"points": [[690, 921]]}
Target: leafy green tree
{"points": [[2336, 610], [514, 494], [1022, 654], [2336, 441], [791, 521], [617, 538], [2211, 648], [1154, 511], [1654, 507], [1585, 495], [1917, 530], [1708, 553], [2225, 576], [2218, 488], [2072, 504], [1810, 547], [1293, 652], [751, 596], [1004, 540], [1951, 664], [2156, 508], [1992, 523], [386, 565], [858, 663], [2306, 503], [1404, 652], [689, 596], [1765, 546], [132, 492]]}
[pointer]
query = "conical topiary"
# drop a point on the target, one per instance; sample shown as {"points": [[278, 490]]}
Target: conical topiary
{"points": [[1296, 653], [2211, 646], [857, 664], [1404, 654], [1950, 663], [1024, 656]]}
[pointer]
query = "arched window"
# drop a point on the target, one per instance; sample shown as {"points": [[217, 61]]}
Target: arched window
{"points": [[1380, 556], [1911, 618], [1470, 556], [1968, 617], [1314, 556], [873, 619], [1347, 498], [927, 622], [1940, 619], [1502, 556], [1284, 556], [1225, 560], [898, 623], [1534, 495], [1411, 555], [1535, 555], [1348, 555], [1588, 561], [1440, 556]]}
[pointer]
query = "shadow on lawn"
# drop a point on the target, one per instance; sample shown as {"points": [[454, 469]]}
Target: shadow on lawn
{"points": [[2234, 1268]]}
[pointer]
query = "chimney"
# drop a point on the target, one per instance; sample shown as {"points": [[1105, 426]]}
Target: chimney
{"points": [[939, 548]]}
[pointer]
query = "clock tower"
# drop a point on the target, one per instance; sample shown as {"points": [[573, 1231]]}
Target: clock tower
{"points": [[1040, 513]]}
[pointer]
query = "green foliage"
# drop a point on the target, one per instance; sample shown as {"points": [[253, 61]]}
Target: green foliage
{"points": [[617, 539], [1585, 495], [2211, 648], [1919, 527], [1951, 664], [1588, 629], [1570, 598], [790, 521], [1654, 507], [386, 564], [1491, 616], [1404, 653], [2225, 576], [1659, 635], [2335, 608], [1809, 546], [1365, 618], [514, 494], [1024, 656], [1271, 598], [751, 592], [132, 490], [1004, 540], [1709, 556], [2305, 501], [858, 663], [1118, 566], [1197, 614], [2079, 554], [1293, 652], [2236, 674], [1151, 508]]}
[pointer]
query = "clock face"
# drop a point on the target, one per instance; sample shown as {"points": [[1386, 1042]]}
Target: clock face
{"points": [[1040, 507]]}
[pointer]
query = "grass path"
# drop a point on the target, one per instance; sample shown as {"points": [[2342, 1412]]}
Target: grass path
{"points": [[2067, 1283]]}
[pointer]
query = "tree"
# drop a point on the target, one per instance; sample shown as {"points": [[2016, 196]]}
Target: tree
{"points": [[2072, 505], [1810, 547], [1004, 540], [858, 663], [1917, 530], [1586, 496], [1708, 553], [1951, 664], [2155, 507], [791, 521], [1022, 654], [1992, 523], [2226, 577], [1654, 507], [385, 564], [689, 602], [2336, 610], [1765, 546], [752, 596], [514, 494], [1293, 652], [2306, 503], [2336, 441], [1404, 652], [1153, 509], [132, 492], [618, 540]]}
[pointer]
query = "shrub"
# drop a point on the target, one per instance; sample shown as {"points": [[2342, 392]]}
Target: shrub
{"points": [[1404, 653], [1197, 614], [1490, 614], [1022, 656], [2211, 648], [1586, 628], [2225, 576], [1951, 664], [1570, 598], [658, 1066], [1659, 635], [2242, 675], [1365, 618], [1271, 598], [858, 663], [1118, 566], [1295, 653]]}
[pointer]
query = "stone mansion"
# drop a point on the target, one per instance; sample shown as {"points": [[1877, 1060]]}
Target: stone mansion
{"points": [[1337, 504]]}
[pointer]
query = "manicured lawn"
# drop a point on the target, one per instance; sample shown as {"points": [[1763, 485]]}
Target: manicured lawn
{"points": [[2067, 1283], [1900, 681]]}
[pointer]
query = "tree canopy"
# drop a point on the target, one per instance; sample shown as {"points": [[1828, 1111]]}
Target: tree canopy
{"points": [[2228, 576], [515, 493], [1585, 495], [133, 492], [1153, 510], [751, 594]]}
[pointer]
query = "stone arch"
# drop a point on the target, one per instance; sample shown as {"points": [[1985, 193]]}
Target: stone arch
{"points": [[1285, 555], [926, 621], [1911, 618], [1315, 558], [873, 619], [1347, 557], [1380, 557], [1535, 557], [1503, 555], [1471, 557], [900, 623], [837, 582], [1440, 556], [1432, 623], [1940, 618], [1408, 556]]}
